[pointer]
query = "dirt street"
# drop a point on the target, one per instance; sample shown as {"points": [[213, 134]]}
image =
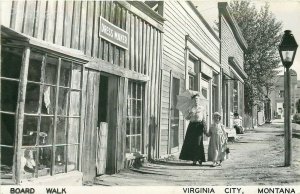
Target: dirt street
{"points": [[256, 158]]}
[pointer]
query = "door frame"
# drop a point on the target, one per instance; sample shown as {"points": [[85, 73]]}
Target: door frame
{"points": [[174, 149]]}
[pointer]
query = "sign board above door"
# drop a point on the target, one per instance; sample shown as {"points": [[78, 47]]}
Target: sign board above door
{"points": [[113, 34]]}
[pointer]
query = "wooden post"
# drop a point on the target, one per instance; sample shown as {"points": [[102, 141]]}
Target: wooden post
{"points": [[288, 132], [20, 114]]}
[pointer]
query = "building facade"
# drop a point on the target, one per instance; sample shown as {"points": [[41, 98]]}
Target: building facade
{"points": [[277, 96], [233, 46], [67, 66], [191, 52]]}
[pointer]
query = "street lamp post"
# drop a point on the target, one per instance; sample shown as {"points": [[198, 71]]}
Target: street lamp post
{"points": [[287, 51]]}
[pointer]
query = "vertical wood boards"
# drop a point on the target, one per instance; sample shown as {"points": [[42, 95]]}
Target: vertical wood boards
{"points": [[124, 27], [89, 135], [6, 12], [89, 28], [68, 23], [18, 15], [106, 15], [95, 41], [59, 28], [111, 47], [40, 19], [50, 21], [29, 17], [117, 22], [128, 30], [20, 114], [132, 45], [82, 28], [75, 25]]}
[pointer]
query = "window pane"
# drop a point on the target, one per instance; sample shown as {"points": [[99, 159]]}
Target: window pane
{"points": [[63, 104], [138, 129], [134, 107], [139, 92], [29, 130], [74, 103], [133, 147], [128, 126], [35, 67], [72, 158], [133, 129], [138, 143], [7, 155], [73, 133], [127, 144], [65, 73], [139, 107], [48, 102], [32, 98], [60, 166], [46, 131], [61, 130], [129, 90], [51, 70], [44, 161], [28, 162], [11, 61], [9, 95], [76, 76], [134, 85], [7, 129]]}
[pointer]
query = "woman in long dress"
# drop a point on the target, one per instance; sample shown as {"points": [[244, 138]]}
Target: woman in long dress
{"points": [[192, 148], [218, 141]]}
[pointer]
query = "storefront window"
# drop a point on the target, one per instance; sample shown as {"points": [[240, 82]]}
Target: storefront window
{"points": [[52, 114], [134, 123], [215, 93], [11, 60]]}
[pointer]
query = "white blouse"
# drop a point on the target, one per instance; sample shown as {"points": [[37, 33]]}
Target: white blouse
{"points": [[196, 114]]}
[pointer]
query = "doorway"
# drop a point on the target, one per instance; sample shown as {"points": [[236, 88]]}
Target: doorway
{"points": [[174, 123]]}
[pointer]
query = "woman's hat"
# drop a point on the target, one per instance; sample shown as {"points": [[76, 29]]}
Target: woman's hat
{"points": [[217, 114]]}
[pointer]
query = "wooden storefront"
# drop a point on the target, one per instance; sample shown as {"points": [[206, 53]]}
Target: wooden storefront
{"points": [[60, 79], [233, 46], [190, 62]]}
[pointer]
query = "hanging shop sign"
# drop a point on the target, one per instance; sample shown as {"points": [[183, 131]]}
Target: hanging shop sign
{"points": [[113, 34]]}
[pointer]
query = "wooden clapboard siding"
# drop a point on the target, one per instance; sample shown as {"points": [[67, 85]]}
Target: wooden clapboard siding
{"points": [[181, 20]]}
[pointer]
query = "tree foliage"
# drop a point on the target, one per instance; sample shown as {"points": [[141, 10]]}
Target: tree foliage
{"points": [[262, 33]]}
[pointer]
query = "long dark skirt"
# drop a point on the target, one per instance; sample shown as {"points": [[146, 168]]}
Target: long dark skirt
{"points": [[192, 148]]}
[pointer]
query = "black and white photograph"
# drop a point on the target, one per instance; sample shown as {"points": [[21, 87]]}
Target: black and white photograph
{"points": [[105, 94]]}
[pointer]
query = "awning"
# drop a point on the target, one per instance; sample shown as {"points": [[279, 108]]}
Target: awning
{"points": [[234, 64]]}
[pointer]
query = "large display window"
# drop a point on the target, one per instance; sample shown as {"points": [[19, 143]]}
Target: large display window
{"points": [[51, 118]]}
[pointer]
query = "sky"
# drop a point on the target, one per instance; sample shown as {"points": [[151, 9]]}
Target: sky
{"points": [[288, 12]]}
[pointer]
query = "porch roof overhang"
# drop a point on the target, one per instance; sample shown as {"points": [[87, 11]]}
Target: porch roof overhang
{"points": [[234, 64]]}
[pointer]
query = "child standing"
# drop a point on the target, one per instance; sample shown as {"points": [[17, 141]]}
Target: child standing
{"points": [[218, 141]]}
